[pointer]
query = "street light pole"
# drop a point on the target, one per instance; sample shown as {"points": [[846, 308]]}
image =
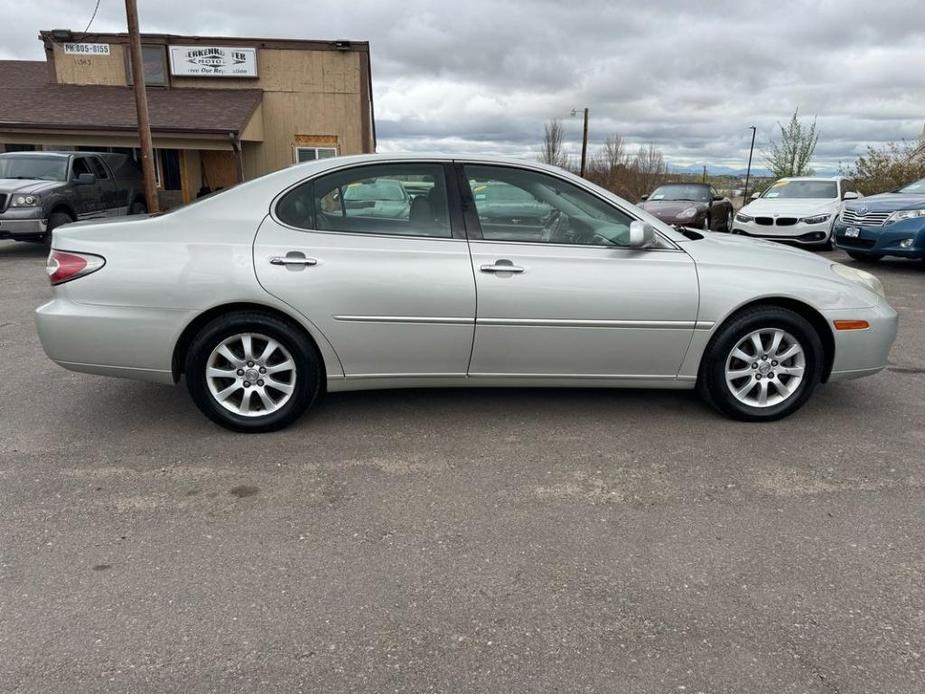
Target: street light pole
{"points": [[584, 142], [584, 145], [141, 106], [748, 171]]}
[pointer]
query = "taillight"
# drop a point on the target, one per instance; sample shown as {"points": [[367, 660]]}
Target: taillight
{"points": [[63, 266]]}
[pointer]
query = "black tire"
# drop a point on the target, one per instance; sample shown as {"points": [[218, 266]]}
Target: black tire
{"points": [[711, 383], [55, 219], [308, 373], [729, 221], [138, 207], [864, 257]]}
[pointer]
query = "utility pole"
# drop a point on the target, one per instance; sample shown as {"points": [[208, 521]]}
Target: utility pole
{"points": [[584, 145], [141, 105], [748, 171]]}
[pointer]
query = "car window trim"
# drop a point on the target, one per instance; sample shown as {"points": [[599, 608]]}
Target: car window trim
{"points": [[457, 232], [474, 226]]}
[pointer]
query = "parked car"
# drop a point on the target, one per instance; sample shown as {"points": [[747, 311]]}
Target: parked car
{"points": [[695, 205], [800, 211], [40, 191], [263, 299], [381, 198], [886, 224]]}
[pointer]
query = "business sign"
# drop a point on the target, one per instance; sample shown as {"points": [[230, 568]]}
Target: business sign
{"points": [[213, 61], [86, 49]]}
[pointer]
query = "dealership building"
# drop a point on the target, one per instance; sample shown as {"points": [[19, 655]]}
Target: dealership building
{"points": [[222, 109]]}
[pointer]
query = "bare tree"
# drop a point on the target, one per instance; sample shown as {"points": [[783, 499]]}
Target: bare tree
{"points": [[553, 148], [609, 165], [650, 169], [790, 156], [630, 177]]}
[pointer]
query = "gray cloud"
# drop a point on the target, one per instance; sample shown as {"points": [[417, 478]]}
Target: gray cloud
{"points": [[688, 76]]}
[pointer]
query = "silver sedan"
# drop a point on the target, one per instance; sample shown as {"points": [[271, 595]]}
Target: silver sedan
{"points": [[264, 296]]}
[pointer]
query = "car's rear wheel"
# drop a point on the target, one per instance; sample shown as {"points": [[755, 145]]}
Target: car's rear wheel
{"points": [[762, 365], [864, 257], [729, 218], [252, 372]]}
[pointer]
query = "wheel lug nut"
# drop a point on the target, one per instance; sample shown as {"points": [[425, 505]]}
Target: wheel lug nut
{"points": [[773, 363], [757, 377], [764, 356], [247, 384], [263, 369], [240, 372], [754, 365], [250, 363], [260, 383], [771, 375]]}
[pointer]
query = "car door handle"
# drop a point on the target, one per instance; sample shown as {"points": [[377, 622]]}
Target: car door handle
{"points": [[290, 260], [501, 267]]}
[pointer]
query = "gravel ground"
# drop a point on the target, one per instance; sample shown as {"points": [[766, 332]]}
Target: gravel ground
{"points": [[486, 540]]}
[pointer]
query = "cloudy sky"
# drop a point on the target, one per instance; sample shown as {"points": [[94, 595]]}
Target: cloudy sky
{"points": [[484, 75]]}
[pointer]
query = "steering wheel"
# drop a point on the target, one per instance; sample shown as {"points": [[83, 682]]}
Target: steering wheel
{"points": [[553, 225]]}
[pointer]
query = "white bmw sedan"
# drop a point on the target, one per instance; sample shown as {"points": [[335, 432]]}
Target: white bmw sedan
{"points": [[495, 273]]}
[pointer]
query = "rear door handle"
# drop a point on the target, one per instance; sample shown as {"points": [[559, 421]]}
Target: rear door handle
{"points": [[502, 266], [293, 260]]}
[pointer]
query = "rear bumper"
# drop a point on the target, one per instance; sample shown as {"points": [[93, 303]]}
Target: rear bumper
{"points": [[884, 240], [863, 352], [121, 341], [22, 228]]}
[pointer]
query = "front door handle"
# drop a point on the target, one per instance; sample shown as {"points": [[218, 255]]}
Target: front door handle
{"points": [[502, 266], [293, 260]]}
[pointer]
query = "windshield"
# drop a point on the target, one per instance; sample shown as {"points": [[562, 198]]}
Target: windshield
{"points": [[382, 190], [802, 189], [31, 167], [684, 192], [917, 188]]}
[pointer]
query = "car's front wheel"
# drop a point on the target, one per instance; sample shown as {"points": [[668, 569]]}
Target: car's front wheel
{"points": [[252, 372], [762, 365]]}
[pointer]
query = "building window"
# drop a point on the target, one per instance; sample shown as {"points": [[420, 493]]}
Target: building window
{"points": [[313, 153], [155, 66], [167, 169]]}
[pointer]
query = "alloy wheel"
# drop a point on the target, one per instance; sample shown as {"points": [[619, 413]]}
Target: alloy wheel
{"points": [[251, 374], [765, 368]]}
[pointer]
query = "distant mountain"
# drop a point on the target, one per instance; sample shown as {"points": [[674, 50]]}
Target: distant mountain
{"points": [[758, 171]]}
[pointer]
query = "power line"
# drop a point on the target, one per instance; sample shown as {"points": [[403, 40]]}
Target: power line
{"points": [[95, 9]]}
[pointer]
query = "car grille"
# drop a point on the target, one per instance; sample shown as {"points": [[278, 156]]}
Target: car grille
{"points": [[3, 197], [779, 221], [786, 221], [871, 219], [764, 221]]}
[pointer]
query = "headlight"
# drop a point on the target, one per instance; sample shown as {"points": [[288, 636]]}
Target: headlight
{"points": [[859, 277], [817, 219], [25, 201], [688, 213], [904, 214], [744, 218]]}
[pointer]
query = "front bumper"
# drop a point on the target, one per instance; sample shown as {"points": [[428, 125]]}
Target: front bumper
{"points": [[800, 233], [22, 228], [863, 352], [884, 240]]}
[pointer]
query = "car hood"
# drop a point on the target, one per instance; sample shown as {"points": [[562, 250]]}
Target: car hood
{"points": [[887, 202], [745, 252], [29, 185], [670, 208], [804, 207]]}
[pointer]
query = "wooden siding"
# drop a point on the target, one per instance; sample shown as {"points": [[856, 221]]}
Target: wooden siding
{"points": [[90, 69]]}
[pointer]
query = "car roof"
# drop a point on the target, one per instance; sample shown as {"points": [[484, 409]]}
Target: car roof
{"points": [[43, 154], [811, 178]]}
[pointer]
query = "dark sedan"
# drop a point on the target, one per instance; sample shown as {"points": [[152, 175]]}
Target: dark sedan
{"points": [[695, 205]]}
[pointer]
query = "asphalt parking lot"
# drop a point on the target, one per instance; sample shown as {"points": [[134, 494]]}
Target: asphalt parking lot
{"points": [[496, 540]]}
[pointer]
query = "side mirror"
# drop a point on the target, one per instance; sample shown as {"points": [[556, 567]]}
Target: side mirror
{"points": [[642, 235], [850, 195], [643, 198], [86, 179], [755, 196]]}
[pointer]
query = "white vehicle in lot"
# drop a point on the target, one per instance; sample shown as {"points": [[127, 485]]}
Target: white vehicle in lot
{"points": [[264, 296], [796, 210]]}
